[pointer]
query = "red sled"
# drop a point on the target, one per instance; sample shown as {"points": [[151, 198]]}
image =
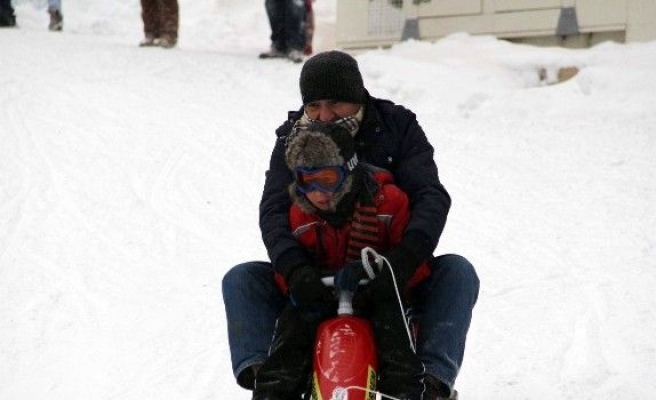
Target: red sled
{"points": [[345, 362]]}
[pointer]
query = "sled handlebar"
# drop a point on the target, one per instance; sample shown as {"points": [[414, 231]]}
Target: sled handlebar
{"points": [[365, 254], [345, 306], [345, 298], [330, 281]]}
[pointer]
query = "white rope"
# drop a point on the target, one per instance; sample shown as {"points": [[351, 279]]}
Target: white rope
{"points": [[380, 262], [368, 268], [342, 393]]}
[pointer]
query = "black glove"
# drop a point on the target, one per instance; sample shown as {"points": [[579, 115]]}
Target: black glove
{"points": [[351, 274], [306, 288]]}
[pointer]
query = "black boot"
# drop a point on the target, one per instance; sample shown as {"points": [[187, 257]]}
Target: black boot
{"points": [[7, 16], [400, 370], [284, 375], [56, 19], [438, 390]]}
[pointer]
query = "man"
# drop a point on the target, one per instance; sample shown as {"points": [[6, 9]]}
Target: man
{"points": [[287, 20], [388, 136], [340, 206]]}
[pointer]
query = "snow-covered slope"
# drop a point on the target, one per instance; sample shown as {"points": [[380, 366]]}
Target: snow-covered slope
{"points": [[130, 180]]}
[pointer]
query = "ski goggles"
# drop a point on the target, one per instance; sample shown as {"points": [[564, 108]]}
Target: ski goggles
{"points": [[324, 179]]}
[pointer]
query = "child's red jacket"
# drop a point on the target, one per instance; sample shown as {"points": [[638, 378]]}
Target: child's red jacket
{"points": [[329, 244]]}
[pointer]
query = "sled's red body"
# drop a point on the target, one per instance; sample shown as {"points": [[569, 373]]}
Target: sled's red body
{"points": [[345, 360]]}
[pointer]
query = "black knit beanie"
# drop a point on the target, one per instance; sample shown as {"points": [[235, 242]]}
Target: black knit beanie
{"points": [[332, 75]]}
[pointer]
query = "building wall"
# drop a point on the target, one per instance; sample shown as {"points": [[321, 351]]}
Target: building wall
{"points": [[569, 23]]}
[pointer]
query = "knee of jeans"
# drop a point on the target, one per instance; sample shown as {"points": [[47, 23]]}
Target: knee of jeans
{"points": [[230, 279], [458, 267], [234, 278]]}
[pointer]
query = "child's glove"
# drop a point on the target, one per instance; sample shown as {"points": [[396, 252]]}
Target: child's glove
{"points": [[350, 275], [306, 288]]}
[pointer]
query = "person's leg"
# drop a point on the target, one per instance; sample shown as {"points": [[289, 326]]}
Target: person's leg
{"points": [[54, 4], [449, 296], [169, 20], [275, 10], [5, 6], [285, 373], [294, 29], [150, 17], [56, 17], [400, 370], [7, 16], [253, 303], [309, 27]]}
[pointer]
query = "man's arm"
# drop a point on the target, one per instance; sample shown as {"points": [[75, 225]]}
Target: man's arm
{"points": [[282, 247], [416, 174]]}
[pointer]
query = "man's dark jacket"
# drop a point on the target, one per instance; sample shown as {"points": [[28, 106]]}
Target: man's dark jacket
{"points": [[389, 137]]}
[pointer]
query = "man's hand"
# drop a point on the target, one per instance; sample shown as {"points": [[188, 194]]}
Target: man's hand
{"points": [[306, 288], [403, 263]]}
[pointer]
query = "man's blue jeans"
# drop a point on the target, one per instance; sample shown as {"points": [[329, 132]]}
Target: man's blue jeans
{"points": [[253, 304], [55, 4]]}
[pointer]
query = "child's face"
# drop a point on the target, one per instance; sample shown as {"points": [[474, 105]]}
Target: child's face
{"points": [[321, 200]]}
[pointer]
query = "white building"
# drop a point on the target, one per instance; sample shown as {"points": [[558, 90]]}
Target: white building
{"points": [[568, 23]]}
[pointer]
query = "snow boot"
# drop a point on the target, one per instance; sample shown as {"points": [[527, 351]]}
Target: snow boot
{"points": [[7, 16], [401, 371], [56, 19], [285, 374], [165, 42], [148, 41], [438, 390], [273, 53], [295, 56]]}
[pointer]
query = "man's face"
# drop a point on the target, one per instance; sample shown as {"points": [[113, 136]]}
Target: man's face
{"points": [[330, 110]]}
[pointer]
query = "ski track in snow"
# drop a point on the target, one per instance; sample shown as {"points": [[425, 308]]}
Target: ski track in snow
{"points": [[140, 203]]}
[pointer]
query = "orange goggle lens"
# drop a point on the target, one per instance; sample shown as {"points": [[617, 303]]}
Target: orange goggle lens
{"points": [[324, 179]]}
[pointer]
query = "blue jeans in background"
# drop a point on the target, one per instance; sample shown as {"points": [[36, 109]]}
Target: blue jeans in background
{"points": [[444, 303], [54, 4]]}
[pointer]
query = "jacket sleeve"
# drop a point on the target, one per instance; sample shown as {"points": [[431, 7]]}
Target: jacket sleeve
{"points": [[415, 172], [284, 250], [396, 205]]}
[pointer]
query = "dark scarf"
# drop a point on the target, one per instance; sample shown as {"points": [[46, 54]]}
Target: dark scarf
{"points": [[359, 207]]}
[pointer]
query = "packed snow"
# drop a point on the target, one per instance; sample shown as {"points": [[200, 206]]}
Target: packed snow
{"points": [[130, 180]]}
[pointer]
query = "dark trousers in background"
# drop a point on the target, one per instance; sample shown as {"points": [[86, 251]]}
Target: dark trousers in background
{"points": [[7, 16], [160, 18], [287, 19]]}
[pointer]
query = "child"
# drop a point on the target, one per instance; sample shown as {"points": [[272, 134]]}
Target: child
{"points": [[339, 207]]}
